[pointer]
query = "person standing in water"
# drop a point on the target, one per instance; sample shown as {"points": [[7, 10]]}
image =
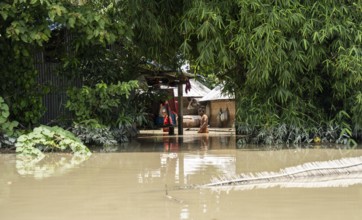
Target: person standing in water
{"points": [[167, 121], [204, 121]]}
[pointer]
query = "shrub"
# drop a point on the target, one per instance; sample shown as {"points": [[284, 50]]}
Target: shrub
{"points": [[45, 138], [7, 132]]}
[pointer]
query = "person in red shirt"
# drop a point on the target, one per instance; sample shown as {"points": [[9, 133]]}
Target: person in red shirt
{"points": [[167, 121]]}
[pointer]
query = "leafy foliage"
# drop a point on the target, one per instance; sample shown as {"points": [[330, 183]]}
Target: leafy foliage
{"points": [[6, 126], [93, 133], [26, 27], [97, 64], [19, 86], [7, 132], [156, 32], [107, 104], [107, 114], [290, 63], [45, 138]]}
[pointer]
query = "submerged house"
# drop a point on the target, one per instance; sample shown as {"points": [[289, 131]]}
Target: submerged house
{"points": [[191, 104], [220, 108], [164, 82], [192, 97]]}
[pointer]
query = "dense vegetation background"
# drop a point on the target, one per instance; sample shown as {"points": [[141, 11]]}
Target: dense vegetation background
{"points": [[294, 65]]}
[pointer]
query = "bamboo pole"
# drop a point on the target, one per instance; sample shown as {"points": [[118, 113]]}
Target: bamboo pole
{"points": [[180, 108]]}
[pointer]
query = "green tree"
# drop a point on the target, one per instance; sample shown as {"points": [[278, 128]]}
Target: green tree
{"points": [[26, 27], [293, 63]]}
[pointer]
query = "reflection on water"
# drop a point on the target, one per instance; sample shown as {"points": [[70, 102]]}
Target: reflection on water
{"points": [[50, 165], [185, 143], [130, 183]]}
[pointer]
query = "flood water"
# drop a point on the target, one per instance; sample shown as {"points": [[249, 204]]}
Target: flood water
{"points": [[142, 179]]}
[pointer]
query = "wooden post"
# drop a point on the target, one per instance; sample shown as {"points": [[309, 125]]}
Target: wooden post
{"points": [[180, 108]]}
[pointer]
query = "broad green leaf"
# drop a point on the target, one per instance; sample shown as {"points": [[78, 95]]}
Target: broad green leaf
{"points": [[71, 22], [4, 14], [5, 114], [22, 138], [2, 119]]}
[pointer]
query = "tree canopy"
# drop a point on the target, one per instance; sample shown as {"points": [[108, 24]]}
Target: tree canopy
{"points": [[28, 26], [294, 65]]}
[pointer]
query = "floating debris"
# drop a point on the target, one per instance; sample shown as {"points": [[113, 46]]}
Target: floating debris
{"points": [[334, 173]]}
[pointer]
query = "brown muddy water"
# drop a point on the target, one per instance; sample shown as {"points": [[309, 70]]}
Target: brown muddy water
{"points": [[142, 179]]}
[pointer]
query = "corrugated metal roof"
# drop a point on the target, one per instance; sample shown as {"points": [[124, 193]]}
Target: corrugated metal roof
{"points": [[217, 94], [198, 90]]}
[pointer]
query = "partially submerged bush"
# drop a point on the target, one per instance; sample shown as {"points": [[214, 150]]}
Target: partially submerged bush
{"points": [[284, 134], [91, 132], [45, 138], [106, 114], [282, 129]]}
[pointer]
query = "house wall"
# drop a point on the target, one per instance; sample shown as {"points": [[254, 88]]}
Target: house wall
{"points": [[214, 119], [190, 116], [186, 101]]}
